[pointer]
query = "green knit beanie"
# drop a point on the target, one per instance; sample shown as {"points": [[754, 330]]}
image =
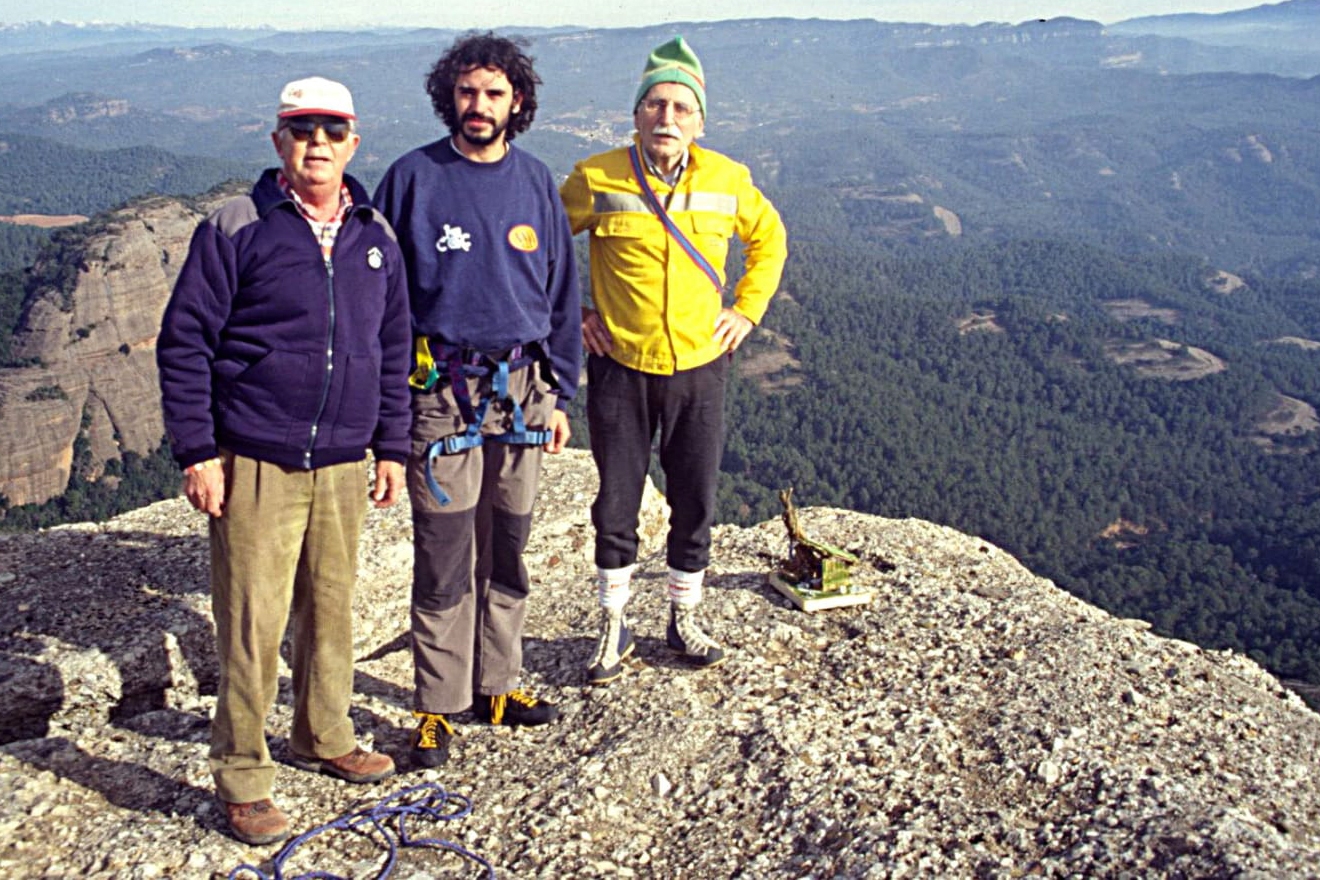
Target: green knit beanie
{"points": [[673, 62]]}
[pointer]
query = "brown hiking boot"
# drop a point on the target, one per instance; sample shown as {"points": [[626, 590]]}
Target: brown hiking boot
{"points": [[257, 823], [358, 766]]}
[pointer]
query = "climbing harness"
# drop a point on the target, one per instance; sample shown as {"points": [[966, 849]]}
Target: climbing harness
{"points": [[460, 364], [430, 802], [634, 156]]}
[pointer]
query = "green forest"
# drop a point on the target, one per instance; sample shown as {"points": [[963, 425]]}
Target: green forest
{"points": [[19, 246], [978, 385], [41, 176], [1149, 497]]}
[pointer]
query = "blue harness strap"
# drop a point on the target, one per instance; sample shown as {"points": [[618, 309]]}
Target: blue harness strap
{"points": [[460, 368]]}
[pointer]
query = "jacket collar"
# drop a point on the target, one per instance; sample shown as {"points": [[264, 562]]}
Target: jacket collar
{"points": [[693, 156], [267, 195]]}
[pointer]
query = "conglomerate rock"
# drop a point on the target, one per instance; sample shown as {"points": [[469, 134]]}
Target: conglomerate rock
{"points": [[91, 349], [973, 721]]}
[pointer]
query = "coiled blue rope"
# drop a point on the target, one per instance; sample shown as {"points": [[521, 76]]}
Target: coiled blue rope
{"points": [[389, 819]]}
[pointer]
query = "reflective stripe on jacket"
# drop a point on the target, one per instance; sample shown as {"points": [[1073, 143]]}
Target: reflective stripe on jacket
{"points": [[658, 305]]}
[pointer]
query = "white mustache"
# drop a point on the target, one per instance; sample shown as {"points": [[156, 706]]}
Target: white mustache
{"points": [[667, 130]]}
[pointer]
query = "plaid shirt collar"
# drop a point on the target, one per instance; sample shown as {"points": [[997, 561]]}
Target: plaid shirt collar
{"points": [[326, 231], [345, 201]]}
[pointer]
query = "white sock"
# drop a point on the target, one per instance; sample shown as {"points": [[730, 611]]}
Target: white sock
{"points": [[614, 587], [685, 587]]}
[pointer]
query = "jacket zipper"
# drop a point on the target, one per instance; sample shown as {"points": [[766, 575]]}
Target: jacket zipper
{"points": [[329, 360]]}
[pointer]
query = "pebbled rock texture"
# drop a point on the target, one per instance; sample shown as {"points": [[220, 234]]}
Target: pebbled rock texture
{"points": [[974, 721]]}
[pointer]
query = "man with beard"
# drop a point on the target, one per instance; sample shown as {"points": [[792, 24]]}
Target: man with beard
{"points": [[661, 213], [496, 312]]}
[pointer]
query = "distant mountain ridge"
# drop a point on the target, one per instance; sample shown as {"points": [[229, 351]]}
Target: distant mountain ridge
{"points": [[1282, 37], [1038, 129], [1290, 13]]}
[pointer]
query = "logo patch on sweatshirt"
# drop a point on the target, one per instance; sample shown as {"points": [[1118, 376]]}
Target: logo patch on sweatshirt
{"points": [[454, 239], [375, 259], [523, 238]]}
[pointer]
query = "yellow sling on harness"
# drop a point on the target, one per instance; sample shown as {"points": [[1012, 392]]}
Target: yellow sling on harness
{"points": [[424, 375]]}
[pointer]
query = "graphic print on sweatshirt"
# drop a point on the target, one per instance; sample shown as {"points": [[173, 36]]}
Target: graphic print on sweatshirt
{"points": [[454, 239], [523, 238]]}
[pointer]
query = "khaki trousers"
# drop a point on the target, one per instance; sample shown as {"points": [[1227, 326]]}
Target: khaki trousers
{"points": [[285, 547]]}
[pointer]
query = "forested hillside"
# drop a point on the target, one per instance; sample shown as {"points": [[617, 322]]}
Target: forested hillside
{"points": [[42, 176], [986, 388], [19, 246]]}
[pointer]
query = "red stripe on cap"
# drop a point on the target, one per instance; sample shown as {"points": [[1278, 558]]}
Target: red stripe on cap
{"points": [[313, 111]]}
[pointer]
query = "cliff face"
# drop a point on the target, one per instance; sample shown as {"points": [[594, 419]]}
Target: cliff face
{"points": [[974, 721], [95, 346]]}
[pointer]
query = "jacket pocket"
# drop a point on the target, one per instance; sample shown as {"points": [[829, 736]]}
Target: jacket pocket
{"points": [[709, 232], [272, 395], [354, 407], [625, 225]]}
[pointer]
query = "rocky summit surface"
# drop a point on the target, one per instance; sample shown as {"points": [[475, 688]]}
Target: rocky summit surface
{"points": [[972, 721]]}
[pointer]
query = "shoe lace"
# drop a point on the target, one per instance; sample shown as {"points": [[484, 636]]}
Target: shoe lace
{"points": [[500, 702], [427, 731], [607, 651], [522, 698], [693, 637]]}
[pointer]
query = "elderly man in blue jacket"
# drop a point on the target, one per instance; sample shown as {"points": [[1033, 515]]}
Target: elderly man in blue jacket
{"points": [[284, 356]]}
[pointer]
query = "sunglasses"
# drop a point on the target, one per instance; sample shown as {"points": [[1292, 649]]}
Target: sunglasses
{"points": [[304, 130]]}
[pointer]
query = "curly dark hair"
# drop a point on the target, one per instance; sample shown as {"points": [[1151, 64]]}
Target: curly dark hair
{"points": [[484, 50]]}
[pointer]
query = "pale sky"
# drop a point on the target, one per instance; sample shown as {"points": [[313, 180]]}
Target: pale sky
{"points": [[355, 14]]}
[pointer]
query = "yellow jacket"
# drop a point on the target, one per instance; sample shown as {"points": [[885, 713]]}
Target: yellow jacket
{"points": [[659, 307]]}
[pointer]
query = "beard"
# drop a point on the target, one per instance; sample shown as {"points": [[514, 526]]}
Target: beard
{"points": [[479, 138]]}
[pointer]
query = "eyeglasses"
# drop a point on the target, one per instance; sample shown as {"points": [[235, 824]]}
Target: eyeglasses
{"points": [[656, 107], [304, 130]]}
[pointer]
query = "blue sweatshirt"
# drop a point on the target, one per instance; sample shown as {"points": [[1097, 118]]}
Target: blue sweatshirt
{"points": [[267, 350], [489, 254]]}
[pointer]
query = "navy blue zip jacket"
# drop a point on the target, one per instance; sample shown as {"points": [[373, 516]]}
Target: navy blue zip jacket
{"points": [[271, 352]]}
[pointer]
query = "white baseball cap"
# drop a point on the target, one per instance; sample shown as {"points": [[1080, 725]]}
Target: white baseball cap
{"points": [[316, 95]]}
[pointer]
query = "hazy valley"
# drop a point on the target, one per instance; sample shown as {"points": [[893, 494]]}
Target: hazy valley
{"points": [[1053, 284]]}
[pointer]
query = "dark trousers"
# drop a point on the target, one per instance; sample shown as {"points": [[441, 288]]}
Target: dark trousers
{"points": [[626, 411]]}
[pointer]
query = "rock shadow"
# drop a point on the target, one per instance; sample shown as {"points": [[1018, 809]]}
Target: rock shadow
{"points": [[118, 602], [126, 784]]}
